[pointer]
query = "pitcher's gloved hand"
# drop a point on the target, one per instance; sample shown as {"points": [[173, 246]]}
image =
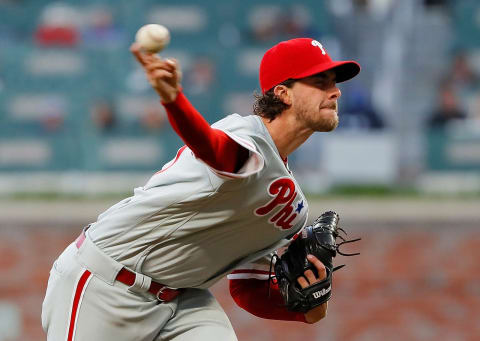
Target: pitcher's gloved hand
{"points": [[294, 269]]}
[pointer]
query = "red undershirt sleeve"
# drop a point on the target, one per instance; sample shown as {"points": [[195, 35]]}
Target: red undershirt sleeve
{"points": [[212, 146], [252, 296]]}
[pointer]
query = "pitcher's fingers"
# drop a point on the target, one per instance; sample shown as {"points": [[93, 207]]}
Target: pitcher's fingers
{"points": [[161, 74], [176, 67], [310, 276], [322, 272], [152, 66], [151, 57], [303, 282], [136, 51], [173, 62], [159, 64]]}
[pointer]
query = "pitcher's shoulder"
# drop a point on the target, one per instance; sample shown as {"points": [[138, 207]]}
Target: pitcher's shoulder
{"points": [[236, 123]]}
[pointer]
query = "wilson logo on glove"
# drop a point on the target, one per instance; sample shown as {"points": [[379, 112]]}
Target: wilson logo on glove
{"points": [[323, 292]]}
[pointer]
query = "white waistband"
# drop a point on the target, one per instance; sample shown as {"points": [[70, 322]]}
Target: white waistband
{"points": [[97, 262], [106, 268]]}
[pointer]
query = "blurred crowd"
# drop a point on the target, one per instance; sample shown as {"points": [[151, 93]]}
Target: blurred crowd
{"points": [[64, 25], [458, 95], [364, 30]]}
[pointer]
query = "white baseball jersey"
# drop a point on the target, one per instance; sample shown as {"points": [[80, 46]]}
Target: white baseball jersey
{"points": [[191, 224]]}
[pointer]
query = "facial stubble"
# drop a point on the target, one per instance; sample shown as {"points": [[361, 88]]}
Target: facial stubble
{"points": [[321, 122]]}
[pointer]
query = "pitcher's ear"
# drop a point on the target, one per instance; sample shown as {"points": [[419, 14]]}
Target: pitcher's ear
{"points": [[284, 93]]}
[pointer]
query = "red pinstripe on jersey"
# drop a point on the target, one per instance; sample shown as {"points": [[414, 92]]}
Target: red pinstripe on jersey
{"points": [[81, 285], [170, 164]]}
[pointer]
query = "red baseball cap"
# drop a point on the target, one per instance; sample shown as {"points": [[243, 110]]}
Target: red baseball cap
{"points": [[299, 58]]}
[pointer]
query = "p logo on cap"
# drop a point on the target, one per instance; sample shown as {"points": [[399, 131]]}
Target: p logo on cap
{"points": [[297, 59], [317, 43]]}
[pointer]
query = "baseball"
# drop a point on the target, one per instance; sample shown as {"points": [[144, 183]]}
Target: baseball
{"points": [[153, 37]]}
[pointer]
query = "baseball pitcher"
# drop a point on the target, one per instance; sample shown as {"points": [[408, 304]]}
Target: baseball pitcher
{"points": [[222, 206]]}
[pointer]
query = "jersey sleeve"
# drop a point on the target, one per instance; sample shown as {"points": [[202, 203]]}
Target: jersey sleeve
{"points": [[252, 290], [253, 164], [226, 155]]}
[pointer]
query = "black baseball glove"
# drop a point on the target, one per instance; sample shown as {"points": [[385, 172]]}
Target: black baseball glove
{"points": [[318, 239]]}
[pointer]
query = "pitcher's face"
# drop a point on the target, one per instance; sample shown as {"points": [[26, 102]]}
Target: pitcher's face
{"points": [[314, 100]]}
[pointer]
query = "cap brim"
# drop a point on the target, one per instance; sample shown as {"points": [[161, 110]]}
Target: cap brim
{"points": [[344, 70]]}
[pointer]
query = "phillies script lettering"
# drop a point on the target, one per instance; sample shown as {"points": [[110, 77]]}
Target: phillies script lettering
{"points": [[284, 193]]}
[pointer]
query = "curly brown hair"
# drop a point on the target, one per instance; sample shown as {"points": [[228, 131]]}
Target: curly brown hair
{"points": [[268, 105]]}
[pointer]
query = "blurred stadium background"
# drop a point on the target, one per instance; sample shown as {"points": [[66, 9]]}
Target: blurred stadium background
{"points": [[80, 127]]}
